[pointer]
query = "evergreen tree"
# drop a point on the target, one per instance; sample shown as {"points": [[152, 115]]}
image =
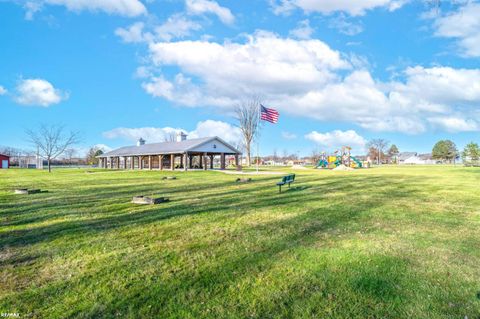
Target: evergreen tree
{"points": [[445, 150], [471, 154], [393, 153]]}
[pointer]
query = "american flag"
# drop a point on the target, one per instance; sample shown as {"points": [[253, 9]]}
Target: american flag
{"points": [[270, 115]]}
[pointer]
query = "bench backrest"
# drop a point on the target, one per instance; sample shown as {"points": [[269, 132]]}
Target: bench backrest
{"points": [[288, 179]]}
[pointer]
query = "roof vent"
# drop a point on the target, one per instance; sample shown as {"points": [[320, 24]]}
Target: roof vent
{"points": [[140, 141], [181, 136]]}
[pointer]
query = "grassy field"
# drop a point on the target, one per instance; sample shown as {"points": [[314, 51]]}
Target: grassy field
{"points": [[390, 242]]}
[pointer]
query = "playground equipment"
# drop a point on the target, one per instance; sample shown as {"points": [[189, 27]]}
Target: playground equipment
{"points": [[340, 157], [322, 162]]}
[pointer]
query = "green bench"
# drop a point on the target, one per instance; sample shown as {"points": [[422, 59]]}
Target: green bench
{"points": [[286, 180]]}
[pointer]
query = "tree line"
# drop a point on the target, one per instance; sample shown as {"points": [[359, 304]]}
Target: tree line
{"points": [[54, 141], [444, 151]]}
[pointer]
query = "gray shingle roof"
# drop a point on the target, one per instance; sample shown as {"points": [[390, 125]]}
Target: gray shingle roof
{"points": [[425, 157], [405, 155], [162, 148]]}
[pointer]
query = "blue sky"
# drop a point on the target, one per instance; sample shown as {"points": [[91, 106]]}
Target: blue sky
{"points": [[339, 72]]}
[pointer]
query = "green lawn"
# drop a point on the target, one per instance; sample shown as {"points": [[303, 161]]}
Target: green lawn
{"points": [[390, 242]]}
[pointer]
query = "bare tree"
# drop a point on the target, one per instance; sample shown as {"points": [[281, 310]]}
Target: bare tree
{"points": [[380, 145], [92, 154], [315, 156], [248, 116], [51, 141], [170, 137], [14, 153], [69, 153]]}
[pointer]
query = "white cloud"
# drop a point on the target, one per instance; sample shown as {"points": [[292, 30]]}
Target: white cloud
{"points": [[31, 8], [337, 138], [435, 87], [225, 131], [306, 58], [206, 128], [265, 63], [288, 135], [354, 8], [127, 8], [132, 34], [105, 148], [181, 91], [307, 78], [150, 134], [143, 72], [159, 87], [344, 26], [199, 7], [38, 92], [3, 90], [463, 25], [455, 124], [177, 26], [395, 106], [303, 31]]}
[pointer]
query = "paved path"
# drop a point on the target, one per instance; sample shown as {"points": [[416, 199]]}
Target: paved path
{"points": [[251, 172]]}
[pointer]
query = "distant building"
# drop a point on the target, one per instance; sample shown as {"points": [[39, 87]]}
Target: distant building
{"points": [[403, 156], [427, 158], [363, 158], [413, 158], [4, 161], [274, 163], [299, 162], [27, 161]]}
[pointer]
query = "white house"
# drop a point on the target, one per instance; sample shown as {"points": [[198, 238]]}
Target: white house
{"points": [[413, 158]]}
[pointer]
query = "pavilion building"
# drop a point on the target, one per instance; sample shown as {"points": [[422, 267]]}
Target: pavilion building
{"points": [[198, 153]]}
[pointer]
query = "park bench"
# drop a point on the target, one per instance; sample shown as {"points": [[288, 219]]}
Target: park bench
{"points": [[286, 180]]}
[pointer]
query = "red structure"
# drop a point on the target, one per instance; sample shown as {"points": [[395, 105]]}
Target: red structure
{"points": [[4, 161]]}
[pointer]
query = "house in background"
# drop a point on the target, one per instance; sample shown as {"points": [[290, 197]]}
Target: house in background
{"points": [[406, 156], [297, 162], [4, 161], [413, 158], [27, 161], [427, 158]]}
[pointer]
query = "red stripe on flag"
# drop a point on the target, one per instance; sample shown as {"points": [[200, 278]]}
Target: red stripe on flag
{"points": [[270, 115]]}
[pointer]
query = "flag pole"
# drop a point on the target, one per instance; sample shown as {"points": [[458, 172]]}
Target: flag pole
{"points": [[269, 115], [258, 156], [257, 134]]}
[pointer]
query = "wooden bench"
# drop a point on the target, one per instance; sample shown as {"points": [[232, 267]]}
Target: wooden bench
{"points": [[286, 180]]}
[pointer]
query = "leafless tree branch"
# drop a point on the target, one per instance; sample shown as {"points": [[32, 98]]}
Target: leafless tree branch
{"points": [[51, 141], [248, 117]]}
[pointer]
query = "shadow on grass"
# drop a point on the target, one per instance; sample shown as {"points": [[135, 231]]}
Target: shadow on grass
{"points": [[214, 284], [241, 198], [375, 282]]}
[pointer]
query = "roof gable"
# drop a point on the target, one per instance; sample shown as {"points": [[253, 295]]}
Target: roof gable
{"points": [[405, 155], [214, 145]]}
